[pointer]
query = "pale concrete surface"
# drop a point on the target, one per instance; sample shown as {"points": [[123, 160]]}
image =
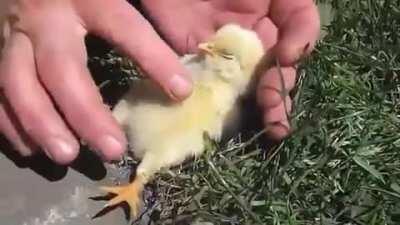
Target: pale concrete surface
{"points": [[37, 192]]}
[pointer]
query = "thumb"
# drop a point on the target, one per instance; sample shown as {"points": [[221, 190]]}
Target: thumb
{"points": [[124, 26], [299, 27]]}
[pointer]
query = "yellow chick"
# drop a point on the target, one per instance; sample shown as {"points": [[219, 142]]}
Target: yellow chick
{"points": [[163, 134]]}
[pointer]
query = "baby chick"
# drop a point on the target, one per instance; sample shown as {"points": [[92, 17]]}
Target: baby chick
{"points": [[163, 134]]}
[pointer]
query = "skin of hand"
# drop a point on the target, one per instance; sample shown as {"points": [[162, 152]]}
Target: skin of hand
{"points": [[289, 29], [48, 99]]}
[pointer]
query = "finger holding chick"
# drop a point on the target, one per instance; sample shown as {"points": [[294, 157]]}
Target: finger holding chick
{"points": [[298, 24]]}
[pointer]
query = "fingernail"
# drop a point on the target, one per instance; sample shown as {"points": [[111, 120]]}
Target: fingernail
{"points": [[180, 87], [23, 149], [278, 130], [306, 47], [110, 148], [303, 52], [60, 150]]}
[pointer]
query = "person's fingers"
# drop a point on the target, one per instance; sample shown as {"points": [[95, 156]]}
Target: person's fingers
{"points": [[298, 23], [125, 27], [276, 120], [181, 29], [272, 96], [11, 130], [298, 26], [267, 32], [62, 69], [274, 86], [31, 104]]}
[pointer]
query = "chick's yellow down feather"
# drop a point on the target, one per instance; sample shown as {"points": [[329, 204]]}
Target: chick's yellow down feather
{"points": [[163, 134]]}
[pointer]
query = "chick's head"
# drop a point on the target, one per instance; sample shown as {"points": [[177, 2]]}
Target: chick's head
{"points": [[233, 41], [233, 44]]}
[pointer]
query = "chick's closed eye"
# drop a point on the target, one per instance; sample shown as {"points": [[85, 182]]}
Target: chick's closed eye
{"points": [[213, 49], [227, 55]]}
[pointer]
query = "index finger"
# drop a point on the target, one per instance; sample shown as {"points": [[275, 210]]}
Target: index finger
{"points": [[125, 27]]}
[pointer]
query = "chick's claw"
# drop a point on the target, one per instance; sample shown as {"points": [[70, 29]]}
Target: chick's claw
{"points": [[129, 194]]}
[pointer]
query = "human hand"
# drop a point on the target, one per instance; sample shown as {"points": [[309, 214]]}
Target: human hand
{"points": [[49, 100], [289, 29]]}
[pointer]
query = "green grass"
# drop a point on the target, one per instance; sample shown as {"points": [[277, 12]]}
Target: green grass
{"points": [[341, 165]]}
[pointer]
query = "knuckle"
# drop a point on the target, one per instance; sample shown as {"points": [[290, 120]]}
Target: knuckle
{"points": [[32, 16], [269, 97], [30, 122]]}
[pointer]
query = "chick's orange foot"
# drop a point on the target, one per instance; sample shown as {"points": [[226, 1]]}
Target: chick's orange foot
{"points": [[129, 193]]}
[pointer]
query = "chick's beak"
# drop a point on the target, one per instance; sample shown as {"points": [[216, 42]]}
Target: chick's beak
{"points": [[206, 48]]}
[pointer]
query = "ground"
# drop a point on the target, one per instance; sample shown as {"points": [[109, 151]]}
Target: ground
{"points": [[340, 166]]}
